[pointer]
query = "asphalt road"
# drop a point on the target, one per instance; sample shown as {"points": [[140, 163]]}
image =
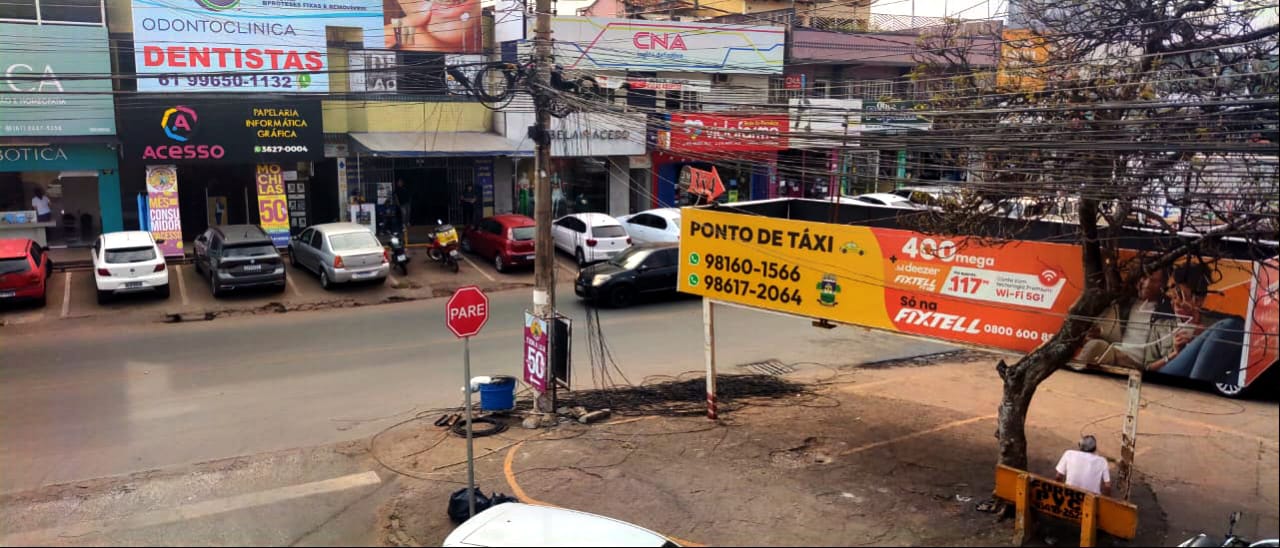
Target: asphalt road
{"points": [[92, 399]]}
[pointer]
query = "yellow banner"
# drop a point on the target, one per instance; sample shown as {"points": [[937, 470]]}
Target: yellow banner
{"points": [[273, 208]]}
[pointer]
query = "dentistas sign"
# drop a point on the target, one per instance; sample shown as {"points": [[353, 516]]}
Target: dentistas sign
{"points": [[214, 131]]}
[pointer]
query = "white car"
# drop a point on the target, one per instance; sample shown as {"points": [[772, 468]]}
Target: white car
{"points": [[655, 226], [882, 199], [129, 262], [590, 237], [515, 524]]}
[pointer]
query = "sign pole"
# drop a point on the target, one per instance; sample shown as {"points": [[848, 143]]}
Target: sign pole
{"points": [[1129, 437], [709, 332], [471, 465]]}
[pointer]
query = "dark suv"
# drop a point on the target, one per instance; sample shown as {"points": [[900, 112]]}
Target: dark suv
{"points": [[238, 256]]}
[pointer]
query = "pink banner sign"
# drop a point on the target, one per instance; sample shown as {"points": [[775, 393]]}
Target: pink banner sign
{"points": [[535, 352], [165, 222]]}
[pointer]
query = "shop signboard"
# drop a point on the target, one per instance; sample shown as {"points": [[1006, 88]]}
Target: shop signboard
{"points": [[1010, 296], [598, 43], [281, 45], [220, 131], [825, 123], [371, 71], [583, 134], [484, 182], [297, 194], [654, 84], [41, 93], [696, 132], [509, 20], [273, 208], [535, 352], [895, 117], [165, 220]]}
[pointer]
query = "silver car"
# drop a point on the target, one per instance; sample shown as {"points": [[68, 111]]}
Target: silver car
{"points": [[340, 253]]}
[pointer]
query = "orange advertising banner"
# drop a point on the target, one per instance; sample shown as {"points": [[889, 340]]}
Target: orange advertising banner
{"points": [[1012, 296]]}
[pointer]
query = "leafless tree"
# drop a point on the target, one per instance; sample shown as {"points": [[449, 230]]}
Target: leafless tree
{"points": [[1127, 112]]}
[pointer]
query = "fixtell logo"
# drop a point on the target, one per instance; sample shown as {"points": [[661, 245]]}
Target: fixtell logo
{"points": [[179, 123]]}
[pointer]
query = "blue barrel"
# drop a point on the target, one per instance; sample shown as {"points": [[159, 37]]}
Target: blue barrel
{"points": [[499, 394]]}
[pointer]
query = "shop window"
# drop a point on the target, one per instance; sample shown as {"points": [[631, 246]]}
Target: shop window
{"points": [[821, 89], [778, 92], [53, 11], [683, 101]]}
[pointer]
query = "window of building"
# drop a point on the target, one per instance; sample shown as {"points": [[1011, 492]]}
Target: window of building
{"points": [[778, 92], [76, 12]]}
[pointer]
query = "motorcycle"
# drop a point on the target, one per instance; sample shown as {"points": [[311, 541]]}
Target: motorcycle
{"points": [[443, 247], [1203, 540], [399, 258]]}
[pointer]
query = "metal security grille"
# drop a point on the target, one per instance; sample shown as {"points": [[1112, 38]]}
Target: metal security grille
{"points": [[768, 367]]}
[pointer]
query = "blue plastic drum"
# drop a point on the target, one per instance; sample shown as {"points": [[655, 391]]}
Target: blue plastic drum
{"points": [[499, 394]]}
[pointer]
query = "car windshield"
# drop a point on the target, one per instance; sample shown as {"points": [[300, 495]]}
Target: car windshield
{"points": [[9, 266], [130, 255], [609, 231], [631, 258], [353, 240], [248, 250], [522, 234]]}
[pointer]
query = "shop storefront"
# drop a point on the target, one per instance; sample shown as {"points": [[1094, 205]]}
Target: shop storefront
{"points": [[591, 169], [742, 148], [59, 177], [232, 162], [824, 145]]}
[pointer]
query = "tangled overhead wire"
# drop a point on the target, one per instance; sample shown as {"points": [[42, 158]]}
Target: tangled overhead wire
{"points": [[496, 85]]}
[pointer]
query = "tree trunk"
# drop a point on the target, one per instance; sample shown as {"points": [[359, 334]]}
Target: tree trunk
{"points": [[1011, 428]]}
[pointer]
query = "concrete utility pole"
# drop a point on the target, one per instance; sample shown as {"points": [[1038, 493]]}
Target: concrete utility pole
{"points": [[544, 266]]}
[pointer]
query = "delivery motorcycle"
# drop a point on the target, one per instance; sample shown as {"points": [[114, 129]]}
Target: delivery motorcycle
{"points": [[1203, 540], [443, 247]]}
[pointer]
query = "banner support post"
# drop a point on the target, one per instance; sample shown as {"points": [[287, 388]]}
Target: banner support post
{"points": [[709, 345]]}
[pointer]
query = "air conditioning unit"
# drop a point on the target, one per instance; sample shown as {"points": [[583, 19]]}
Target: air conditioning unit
{"points": [[719, 78]]}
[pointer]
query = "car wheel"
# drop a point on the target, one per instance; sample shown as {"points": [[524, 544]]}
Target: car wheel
{"points": [[293, 258], [104, 296], [1228, 390], [280, 288], [580, 257], [466, 245], [498, 264], [163, 292], [622, 296], [324, 279]]}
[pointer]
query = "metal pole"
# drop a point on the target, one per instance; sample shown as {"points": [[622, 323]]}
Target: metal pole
{"points": [[709, 332], [544, 266], [471, 465]]}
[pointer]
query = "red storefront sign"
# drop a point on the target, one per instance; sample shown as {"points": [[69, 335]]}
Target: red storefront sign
{"points": [[727, 133], [793, 81]]}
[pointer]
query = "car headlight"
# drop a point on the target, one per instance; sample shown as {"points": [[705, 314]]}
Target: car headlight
{"points": [[600, 279]]}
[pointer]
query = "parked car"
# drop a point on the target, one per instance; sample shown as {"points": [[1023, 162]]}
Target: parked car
{"points": [[653, 226], [882, 199], [24, 270], [340, 253], [645, 269], [590, 237], [516, 524], [507, 240], [129, 262], [237, 257], [930, 196]]}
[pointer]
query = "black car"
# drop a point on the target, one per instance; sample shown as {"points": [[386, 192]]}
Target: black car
{"points": [[647, 269], [237, 257]]}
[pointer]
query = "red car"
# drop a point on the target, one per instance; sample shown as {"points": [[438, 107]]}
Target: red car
{"points": [[24, 270], [507, 240]]}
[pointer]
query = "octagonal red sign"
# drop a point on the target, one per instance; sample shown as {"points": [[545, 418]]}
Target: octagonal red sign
{"points": [[467, 311]]}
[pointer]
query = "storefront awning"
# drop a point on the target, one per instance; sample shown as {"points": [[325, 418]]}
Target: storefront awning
{"points": [[414, 144]]}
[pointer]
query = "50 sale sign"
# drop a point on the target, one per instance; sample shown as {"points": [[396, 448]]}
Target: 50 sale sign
{"points": [[273, 207], [535, 352]]}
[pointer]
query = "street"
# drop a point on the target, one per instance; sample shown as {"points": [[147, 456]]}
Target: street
{"points": [[109, 400]]}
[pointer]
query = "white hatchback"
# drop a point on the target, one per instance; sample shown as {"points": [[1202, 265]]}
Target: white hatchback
{"points": [[655, 226], [129, 262], [590, 237], [515, 524]]}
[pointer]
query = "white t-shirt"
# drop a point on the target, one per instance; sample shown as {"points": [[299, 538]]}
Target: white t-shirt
{"points": [[1084, 470], [1137, 330], [41, 204]]}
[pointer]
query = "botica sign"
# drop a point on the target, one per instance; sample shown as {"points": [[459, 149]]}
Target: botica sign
{"points": [[32, 154]]}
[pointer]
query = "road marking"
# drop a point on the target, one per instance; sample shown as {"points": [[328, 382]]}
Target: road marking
{"points": [[192, 511], [66, 294], [912, 435], [289, 280], [481, 270], [182, 287], [524, 497]]}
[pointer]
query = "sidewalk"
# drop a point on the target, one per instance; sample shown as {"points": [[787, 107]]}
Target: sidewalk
{"points": [[72, 295]]}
